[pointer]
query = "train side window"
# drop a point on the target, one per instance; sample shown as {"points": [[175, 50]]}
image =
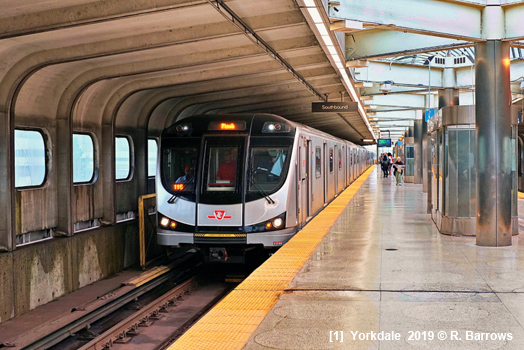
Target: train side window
{"points": [[152, 152], [83, 158], [331, 160], [339, 159], [122, 158], [30, 158], [318, 162]]}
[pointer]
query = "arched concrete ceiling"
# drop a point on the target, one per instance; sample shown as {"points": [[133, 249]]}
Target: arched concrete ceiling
{"points": [[119, 62]]}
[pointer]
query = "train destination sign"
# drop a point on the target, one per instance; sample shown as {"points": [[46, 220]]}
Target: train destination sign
{"points": [[334, 107]]}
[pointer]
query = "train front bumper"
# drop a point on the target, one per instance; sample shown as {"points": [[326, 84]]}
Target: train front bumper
{"points": [[267, 239]]}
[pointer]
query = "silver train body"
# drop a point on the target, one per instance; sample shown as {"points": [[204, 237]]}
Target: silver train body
{"points": [[231, 183]]}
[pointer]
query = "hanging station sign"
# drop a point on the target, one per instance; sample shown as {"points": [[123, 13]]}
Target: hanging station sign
{"points": [[334, 107]]}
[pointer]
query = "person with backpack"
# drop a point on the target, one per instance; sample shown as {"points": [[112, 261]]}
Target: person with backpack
{"points": [[385, 164]]}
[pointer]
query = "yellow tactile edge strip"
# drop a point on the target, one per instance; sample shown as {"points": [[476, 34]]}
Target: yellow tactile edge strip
{"points": [[521, 195], [230, 324]]}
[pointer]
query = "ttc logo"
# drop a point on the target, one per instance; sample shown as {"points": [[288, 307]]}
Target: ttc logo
{"points": [[219, 215]]}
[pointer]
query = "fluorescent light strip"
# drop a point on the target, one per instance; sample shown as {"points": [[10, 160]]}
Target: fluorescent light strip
{"points": [[315, 15], [322, 29]]}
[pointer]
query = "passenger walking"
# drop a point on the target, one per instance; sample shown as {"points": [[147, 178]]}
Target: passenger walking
{"points": [[390, 157], [399, 166], [384, 163]]}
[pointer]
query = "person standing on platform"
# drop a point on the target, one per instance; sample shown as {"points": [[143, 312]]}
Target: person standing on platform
{"points": [[398, 165], [390, 157], [384, 163]]}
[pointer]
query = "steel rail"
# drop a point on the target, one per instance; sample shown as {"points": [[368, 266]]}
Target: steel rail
{"points": [[85, 321], [129, 326]]}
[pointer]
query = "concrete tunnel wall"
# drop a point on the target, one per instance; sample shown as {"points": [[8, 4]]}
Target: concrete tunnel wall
{"points": [[39, 273]]}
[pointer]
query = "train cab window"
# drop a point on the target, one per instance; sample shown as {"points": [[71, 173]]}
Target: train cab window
{"points": [[331, 160], [222, 169], [318, 162], [83, 158], [122, 158], [30, 158], [152, 151], [179, 168], [268, 168]]}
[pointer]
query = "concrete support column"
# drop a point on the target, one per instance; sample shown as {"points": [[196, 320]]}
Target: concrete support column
{"points": [[7, 232], [417, 134], [64, 149], [449, 96], [493, 126], [107, 170]]}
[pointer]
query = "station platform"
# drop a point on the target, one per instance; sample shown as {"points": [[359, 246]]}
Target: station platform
{"points": [[381, 276]]}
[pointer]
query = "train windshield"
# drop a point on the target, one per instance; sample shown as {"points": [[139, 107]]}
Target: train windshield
{"points": [[222, 165], [268, 167], [179, 168]]}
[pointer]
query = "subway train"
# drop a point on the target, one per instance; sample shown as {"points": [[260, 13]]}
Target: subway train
{"points": [[230, 184]]}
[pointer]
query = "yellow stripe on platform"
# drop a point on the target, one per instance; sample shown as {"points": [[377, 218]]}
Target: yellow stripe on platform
{"points": [[521, 195], [230, 324]]}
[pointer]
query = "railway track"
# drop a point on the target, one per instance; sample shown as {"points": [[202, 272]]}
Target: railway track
{"points": [[177, 273], [123, 332]]}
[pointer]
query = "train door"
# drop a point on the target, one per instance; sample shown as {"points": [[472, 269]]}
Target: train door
{"points": [[344, 166], [351, 161], [221, 191], [335, 170], [303, 176], [309, 200], [325, 172]]}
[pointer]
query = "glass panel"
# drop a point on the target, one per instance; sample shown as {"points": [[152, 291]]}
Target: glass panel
{"points": [[269, 166], [221, 169], [30, 159], [451, 163], [178, 168], [339, 159], [440, 187], [434, 169], [152, 156], [318, 162], [122, 158], [410, 162], [83, 158], [463, 174]]}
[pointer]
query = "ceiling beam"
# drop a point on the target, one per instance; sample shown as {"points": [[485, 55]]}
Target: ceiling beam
{"points": [[380, 43], [461, 21]]}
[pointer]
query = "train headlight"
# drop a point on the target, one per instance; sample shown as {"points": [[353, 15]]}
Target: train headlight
{"points": [[164, 221], [275, 223], [172, 224], [272, 127]]}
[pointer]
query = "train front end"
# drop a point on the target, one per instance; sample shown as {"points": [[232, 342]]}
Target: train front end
{"points": [[226, 185]]}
